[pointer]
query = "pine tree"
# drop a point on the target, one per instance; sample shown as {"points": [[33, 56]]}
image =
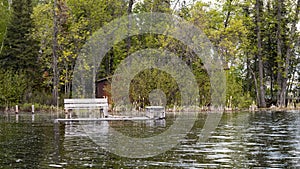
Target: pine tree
{"points": [[4, 19], [20, 51]]}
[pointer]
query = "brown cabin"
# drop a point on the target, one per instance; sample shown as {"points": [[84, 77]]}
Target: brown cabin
{"points": [[103, 88]]}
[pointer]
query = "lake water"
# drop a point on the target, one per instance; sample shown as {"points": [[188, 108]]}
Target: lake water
{"points": [[241, 140]]}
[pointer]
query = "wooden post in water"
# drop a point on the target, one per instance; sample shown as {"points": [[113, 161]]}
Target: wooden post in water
{"points": [[230, 103], [32, 109], [17, 109], [143, 104]]}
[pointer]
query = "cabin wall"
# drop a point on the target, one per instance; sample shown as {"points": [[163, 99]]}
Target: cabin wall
{"points": [[103, 89]]}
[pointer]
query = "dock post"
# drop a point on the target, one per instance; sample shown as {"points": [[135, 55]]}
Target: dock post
{"points": [[17, 109], [32, 109]]}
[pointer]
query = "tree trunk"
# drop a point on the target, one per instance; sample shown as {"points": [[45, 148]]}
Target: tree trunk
{"points": [[290, 46], [226, 22], [270, 67], [228, 14], [248, 83], [279, 53], [256, 86], [129, 11], [54, 61], [259, 55], [2, 44]]}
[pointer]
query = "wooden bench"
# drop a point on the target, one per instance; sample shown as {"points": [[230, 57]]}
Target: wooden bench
{"points": [[88, 104]]}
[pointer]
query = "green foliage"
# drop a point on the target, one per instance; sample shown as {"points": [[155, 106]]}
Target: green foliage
{"points": [[4, 20], [234, 91], [20, 51], [27, 107], [77, 20], [13, 87], [245, 101], [147, 81], [27, 35]]}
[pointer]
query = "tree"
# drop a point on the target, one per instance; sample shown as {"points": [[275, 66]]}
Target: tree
{"points": [[225, 27], [262, 101], [257, 41], [20, 51], [4, 20], [291, 42], [75, 22], [54, 53]]}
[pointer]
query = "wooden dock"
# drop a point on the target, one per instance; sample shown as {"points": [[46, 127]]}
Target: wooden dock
{"points": [[103, 119]]}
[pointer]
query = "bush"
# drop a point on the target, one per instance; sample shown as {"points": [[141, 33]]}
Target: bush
{"points": [[41, 97], [245, 101], [234, 88], [26, 107], [12, 88]]}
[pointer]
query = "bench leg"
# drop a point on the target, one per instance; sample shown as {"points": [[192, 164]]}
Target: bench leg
{"points": [[105, 112], [101, 113]]}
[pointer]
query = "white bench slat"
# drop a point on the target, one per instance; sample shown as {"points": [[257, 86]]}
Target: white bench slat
{"points": [[84, 105], [103, 100]]}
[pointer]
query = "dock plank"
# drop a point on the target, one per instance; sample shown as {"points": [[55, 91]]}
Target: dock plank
{"points": [[103, 119]]}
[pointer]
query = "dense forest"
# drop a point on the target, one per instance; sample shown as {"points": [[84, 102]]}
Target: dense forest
{"points": [[258, 41]]}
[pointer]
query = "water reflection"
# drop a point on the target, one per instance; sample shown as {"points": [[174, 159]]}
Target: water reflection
{"points": [[265, 139], [242, 140], [17, 118]]}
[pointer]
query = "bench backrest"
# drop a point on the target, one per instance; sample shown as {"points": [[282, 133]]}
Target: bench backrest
{"points": [[85, 103]]}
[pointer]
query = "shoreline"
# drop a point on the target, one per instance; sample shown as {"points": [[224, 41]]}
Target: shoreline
{"points": [[51, 109]]}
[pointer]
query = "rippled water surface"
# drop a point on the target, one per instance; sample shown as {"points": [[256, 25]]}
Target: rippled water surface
{"points": [[241, 140]]}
